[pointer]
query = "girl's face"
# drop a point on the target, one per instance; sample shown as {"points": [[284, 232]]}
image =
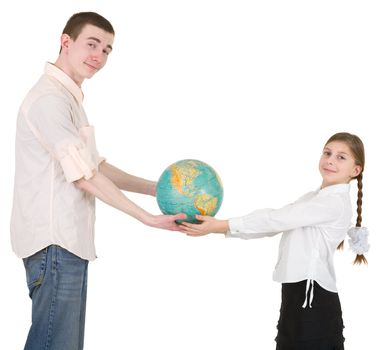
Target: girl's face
{"points": [[337, 165]]}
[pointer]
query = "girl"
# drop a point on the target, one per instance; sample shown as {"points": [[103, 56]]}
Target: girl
{"points": [[312, 229]]}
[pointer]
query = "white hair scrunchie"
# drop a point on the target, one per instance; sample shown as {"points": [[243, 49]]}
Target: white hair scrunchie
{"points": [[358, 241]]}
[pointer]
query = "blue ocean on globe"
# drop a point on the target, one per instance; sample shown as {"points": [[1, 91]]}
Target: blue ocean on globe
{"points": [[189, 186]]}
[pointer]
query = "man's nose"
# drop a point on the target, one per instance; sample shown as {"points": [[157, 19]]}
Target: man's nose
{"points": [[97, 56]]}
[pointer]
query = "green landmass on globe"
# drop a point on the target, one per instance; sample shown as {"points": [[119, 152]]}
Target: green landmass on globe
{"points": [[189, 186]]}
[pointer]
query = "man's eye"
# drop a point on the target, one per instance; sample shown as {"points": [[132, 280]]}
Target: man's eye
{"points": [[92, 45]]}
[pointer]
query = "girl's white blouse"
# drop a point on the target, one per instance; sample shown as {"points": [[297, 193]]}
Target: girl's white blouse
{"points": [[312, 228]]}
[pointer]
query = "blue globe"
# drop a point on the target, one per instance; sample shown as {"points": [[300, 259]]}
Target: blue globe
{"points": [[189, 186]]}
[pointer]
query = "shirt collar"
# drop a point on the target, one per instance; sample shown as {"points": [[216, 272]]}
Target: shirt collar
{"points": [[339, 188], [65, 80]]}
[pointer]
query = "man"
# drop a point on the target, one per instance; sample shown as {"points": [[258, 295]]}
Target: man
{"points": [[58, 174]]}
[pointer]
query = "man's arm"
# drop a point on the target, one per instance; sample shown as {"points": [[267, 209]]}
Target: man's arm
{"points": [[126, 181], [104, 189]]}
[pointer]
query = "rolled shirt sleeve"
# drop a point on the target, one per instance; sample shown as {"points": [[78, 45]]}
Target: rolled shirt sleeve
{"points": [[73, 147], [76, 163]]}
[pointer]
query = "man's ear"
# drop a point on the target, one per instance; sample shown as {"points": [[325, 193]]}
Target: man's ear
{"points": [[64, 40]]}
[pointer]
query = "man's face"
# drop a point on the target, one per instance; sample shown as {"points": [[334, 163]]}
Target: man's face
{"points": [[87, 54]]}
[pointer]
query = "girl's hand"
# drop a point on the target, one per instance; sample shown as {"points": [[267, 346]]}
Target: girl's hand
{"points": [[208, 225]]}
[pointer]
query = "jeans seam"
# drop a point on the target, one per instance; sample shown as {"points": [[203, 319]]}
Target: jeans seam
{"points": [[54, 254]]}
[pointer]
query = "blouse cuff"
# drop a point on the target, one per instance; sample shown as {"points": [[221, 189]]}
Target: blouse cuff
{"points": [[77, 163], [236, 226]]}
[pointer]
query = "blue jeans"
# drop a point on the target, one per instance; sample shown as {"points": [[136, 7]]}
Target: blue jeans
{"points": [[57, 282]]}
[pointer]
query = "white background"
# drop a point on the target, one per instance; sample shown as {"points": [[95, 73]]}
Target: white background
{"points": [[254, 88]]}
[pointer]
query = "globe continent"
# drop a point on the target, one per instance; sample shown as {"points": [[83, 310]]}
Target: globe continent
{"points": [[189, 186]]}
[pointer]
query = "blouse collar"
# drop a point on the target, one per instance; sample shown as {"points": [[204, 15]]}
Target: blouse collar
{"points": [[339, 188]]}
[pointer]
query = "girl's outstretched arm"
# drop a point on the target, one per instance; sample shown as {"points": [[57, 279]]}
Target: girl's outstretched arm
{"points": [[208, 225]]}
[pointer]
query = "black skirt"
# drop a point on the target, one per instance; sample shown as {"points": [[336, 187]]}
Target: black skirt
{"points": [[319, 327]]}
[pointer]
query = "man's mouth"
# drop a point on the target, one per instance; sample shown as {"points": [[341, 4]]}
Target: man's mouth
{"points": [[91, 66]]}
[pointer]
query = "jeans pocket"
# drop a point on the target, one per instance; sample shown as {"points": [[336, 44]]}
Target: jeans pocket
{"points": [[35, 267]]}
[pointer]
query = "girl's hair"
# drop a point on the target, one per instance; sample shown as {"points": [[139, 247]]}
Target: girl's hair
{"points": [[356, 147], [77, 22]]}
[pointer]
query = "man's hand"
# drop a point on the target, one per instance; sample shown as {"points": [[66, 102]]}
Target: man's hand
{"points": [[166, 222]]}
